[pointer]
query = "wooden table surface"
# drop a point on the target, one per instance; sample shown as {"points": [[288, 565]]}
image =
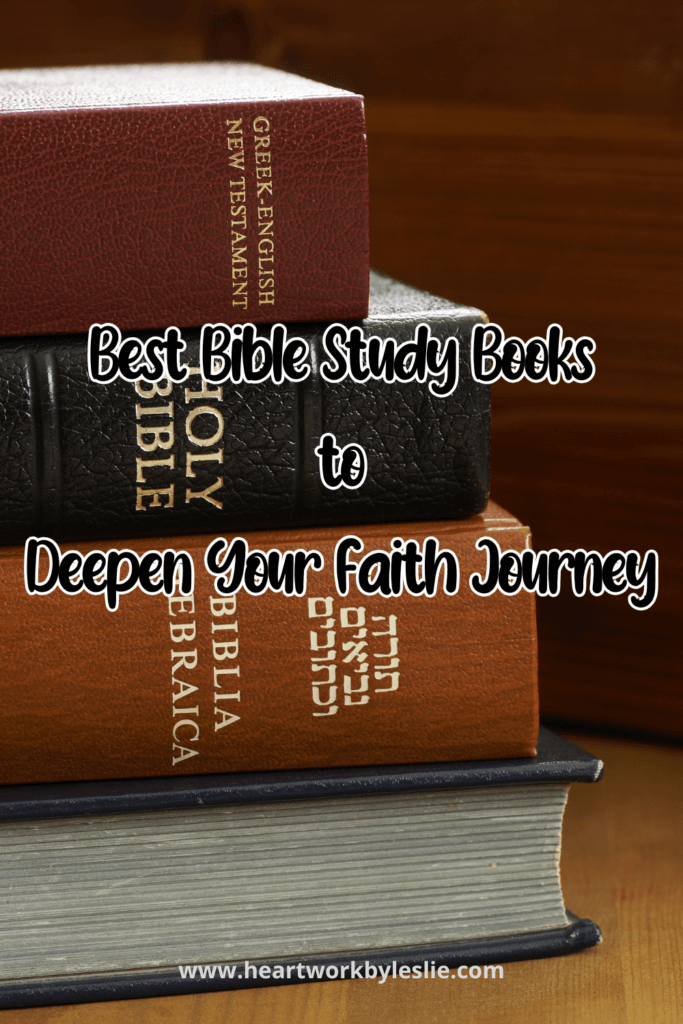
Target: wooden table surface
{"points": [[622, 866]]}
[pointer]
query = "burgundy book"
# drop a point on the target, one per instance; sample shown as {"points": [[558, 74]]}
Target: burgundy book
{"points": [[179, 194]]}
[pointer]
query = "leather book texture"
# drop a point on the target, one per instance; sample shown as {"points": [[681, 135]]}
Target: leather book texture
{"points": [[179, 194], [83, 460], [171, 686]]}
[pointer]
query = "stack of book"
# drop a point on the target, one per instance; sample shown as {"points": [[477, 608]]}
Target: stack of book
{"points": [[258, 727]]}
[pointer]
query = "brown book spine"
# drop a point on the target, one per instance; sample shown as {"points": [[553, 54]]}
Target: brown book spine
{"points": [[208, 683]]}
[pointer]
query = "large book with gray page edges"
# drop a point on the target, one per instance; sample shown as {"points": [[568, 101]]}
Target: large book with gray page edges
{"points": [[117, 890]]}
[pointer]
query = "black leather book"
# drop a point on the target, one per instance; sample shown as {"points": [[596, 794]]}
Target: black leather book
{"points": [[115, 890], [83, 460]]}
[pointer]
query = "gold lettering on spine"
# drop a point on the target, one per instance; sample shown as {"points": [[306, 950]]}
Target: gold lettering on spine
{"points": [[324, 690], [225, 651], [151, 438], [155, 438], [156, 494], [392, 662], [239, 218], [238, 215], [191, 458], [238, 232], [186, 730], [236, 143], [204, 410], [265, 211], [356, 652], [144, 464]]}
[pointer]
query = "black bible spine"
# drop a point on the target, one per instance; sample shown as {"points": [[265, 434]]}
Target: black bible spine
{"points": [[81, 460]]}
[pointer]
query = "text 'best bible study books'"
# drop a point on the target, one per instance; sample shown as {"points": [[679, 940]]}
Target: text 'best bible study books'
{"points": [[171, 685], [270, 695], [115, 890], [81, 459], [151, 195]]}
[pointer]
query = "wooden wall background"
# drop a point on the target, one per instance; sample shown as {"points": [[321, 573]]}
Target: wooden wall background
{"points": [[526, 157]]}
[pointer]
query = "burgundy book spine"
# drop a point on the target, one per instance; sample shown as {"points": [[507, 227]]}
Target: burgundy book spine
{"points": [[148, 217]]}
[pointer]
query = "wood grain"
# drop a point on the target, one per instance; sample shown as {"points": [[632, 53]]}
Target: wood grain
{"points": [[572, 218], [42, 33], [585, 55], [622, 866]]}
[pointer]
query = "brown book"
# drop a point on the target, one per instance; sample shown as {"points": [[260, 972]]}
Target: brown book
{"points": [[208, 683]]}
